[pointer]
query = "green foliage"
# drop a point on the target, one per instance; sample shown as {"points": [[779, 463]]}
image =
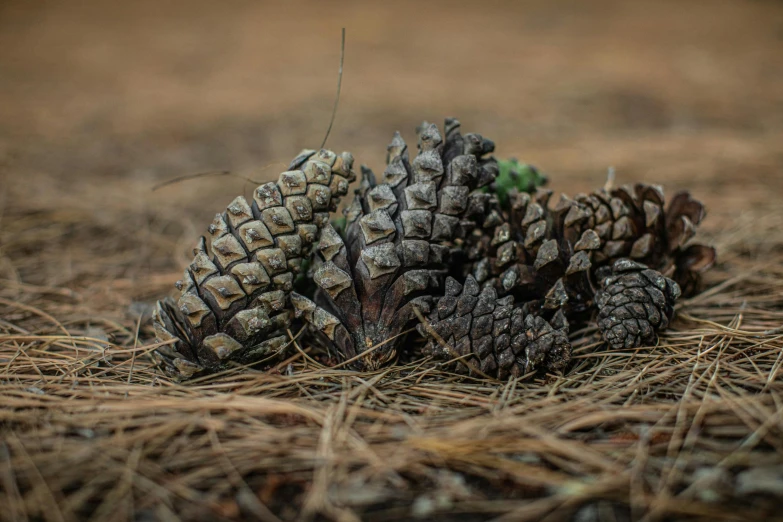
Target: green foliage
{"points": [[303, 282], [339, 224], [514, 174]]}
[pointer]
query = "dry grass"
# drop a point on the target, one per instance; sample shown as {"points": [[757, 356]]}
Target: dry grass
{"points": [[102, 102], [685, 429]]}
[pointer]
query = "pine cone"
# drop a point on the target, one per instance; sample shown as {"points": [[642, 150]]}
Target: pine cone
{"points": [[400, 238], [492, 336], [633, 304], [446, 212], [642, 228], [553, 254], [234, 302]]}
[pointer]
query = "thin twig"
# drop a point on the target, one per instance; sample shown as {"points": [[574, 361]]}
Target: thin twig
{"points": [[339, 86]]}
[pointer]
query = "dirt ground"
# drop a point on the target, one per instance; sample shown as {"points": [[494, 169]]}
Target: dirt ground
{"points": [[100, 101]]}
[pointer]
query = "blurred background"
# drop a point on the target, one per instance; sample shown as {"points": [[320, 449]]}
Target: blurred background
{"points": [[99, 101]]}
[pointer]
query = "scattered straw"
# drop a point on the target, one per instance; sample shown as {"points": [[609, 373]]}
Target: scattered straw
{"points": [[686, 429]]}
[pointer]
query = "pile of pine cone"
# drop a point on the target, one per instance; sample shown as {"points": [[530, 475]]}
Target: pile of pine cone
{"points": [[452, 244]]}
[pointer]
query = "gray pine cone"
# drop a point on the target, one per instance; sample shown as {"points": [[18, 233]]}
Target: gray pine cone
{"points": [[492, 335], [402, 233], [553, 252], [634, 303], [234, 302]]}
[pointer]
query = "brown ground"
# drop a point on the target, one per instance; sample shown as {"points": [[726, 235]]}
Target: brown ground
{"points": [[99, 102]]}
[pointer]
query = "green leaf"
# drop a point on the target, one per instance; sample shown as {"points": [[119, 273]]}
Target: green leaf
{"points": [[303, 283], [339, 224], [514, 174]]}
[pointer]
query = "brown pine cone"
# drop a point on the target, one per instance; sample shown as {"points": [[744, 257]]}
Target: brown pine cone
{"points": [[234, 301], [553, 254], [634, 303], [400, 237], [640, 226], [492, 336]]}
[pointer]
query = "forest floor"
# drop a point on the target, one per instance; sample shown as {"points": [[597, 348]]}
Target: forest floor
{"points": [[100, 102]]}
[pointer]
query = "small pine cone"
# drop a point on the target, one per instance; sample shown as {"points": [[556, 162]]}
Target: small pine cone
{"points": [[234, 302], [633, 304], [401, 236], [491, 336]]}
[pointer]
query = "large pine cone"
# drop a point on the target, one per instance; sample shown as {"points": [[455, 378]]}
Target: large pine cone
{"points": [[400, 237], [634, 303], [234, 302], [474, 330]]}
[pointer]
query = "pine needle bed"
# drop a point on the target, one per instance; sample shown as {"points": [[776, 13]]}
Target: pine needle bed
{"points": [[690, 428]]}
